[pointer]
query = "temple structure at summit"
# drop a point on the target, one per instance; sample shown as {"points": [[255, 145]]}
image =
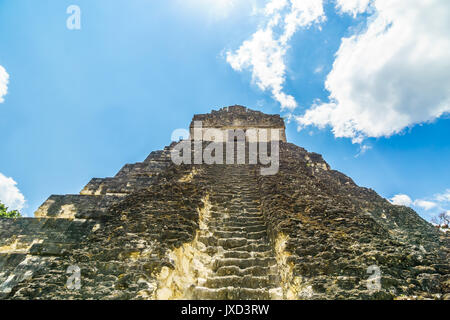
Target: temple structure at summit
{"points": [[235, 118]]}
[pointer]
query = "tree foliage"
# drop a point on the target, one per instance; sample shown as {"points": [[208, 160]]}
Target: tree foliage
{"points": [[4, 213]]}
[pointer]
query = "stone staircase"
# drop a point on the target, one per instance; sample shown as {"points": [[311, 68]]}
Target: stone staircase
{"points": [[244, 265]]}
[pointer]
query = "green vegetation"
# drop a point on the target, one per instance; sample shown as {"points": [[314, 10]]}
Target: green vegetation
{"points": [[4, 213]]}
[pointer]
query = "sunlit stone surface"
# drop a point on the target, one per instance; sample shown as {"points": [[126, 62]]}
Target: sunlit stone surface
{"points": [[163, 231]]}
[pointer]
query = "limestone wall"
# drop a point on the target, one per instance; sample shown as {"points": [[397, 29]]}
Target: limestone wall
{"points": [[241, 133], [238, 118]]}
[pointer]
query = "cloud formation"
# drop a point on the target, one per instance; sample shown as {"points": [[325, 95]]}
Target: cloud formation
{"points": [[10, 195], [424, 204], [443, 197], [392, 75], [432, 206], [401, 200], [264, 53], [353, 7], [4, 79], [405, 200]]}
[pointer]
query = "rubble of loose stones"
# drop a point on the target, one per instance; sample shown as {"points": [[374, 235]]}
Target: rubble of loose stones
{"points": [[334, 230]]}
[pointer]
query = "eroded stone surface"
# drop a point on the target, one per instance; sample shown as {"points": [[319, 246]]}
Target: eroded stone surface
{"points": [[161, 231]]}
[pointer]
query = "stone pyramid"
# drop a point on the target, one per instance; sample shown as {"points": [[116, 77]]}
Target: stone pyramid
{"points": [[158, 230]]}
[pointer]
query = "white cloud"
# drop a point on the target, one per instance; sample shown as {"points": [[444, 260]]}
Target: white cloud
{"points": [[430, 207], [352, 6], [4, 79], [392, 75], [405, 200], [263, 54], [318, 69], [424, 204], [443, 197], [10, 195], [401, 200], [363, 149]]}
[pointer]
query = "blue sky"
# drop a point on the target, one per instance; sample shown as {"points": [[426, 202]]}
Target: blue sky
{"points": [[82, 103]]}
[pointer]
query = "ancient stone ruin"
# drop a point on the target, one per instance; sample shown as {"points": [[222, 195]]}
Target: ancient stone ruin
{"points": [[239, 118], [158, 230]]}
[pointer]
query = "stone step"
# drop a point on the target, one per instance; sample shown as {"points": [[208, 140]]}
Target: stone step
{"points": [[240, 207], [242, 211], [241, 234], [254, 247], [229, 188], [225, 191], [243, 229], [246, 254], [236, 223], [248, 281], [231, 293], [234, 243], [241, 217], [255, 271], [209, 241], [239, 213], [248, 198], [230, 221], [244, 263], [244, 205], [230, 243], [246, 268]]}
